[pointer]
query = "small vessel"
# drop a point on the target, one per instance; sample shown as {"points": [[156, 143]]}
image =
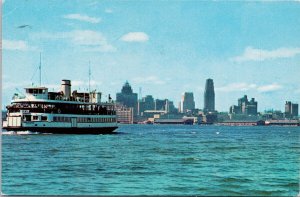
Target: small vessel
{"points": [[60, 112]]}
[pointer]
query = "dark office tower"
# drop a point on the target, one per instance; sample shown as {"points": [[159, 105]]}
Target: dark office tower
{"points": [[251, 108], [291, 109], [146, 103], [128, 98], [245, 107], [187, 102], [160, 104], [209, 96], [294, 111], [149, 102]]}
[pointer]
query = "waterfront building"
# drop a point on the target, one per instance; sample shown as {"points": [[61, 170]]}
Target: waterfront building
{"points": [[251, 107], [294, 110], [160, 104], [244, 107], [171, 107], [179, 107], [272, 115], [234, 109], [124, 114], [209, 96], [146, 103], [291, 109], [128, 98], [187, 102]]}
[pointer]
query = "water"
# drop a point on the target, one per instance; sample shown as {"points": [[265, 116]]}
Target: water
{"points": [[155, 160]]}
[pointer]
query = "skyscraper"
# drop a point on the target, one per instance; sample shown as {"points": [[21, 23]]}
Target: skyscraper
{"points": [[146, 103], [291, 109], [209, 96], [128, 98], [244, 106], [187, 102]]}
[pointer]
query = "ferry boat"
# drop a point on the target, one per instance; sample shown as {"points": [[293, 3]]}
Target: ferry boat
{"points": [[60, 112]]}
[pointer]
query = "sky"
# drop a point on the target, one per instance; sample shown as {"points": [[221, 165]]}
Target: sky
{"points": [[162, 48]]}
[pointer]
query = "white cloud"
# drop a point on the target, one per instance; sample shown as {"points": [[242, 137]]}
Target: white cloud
{"points": [[109, 11], [81, 17], [236, 87], [149, 80], [90, 40], [269, 88], [87, 37], [252, 54], [16, 45], [246, 87], [95, 40], [3, 1], [135, 37]]}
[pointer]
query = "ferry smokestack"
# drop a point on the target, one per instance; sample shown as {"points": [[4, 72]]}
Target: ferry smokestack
{"points": [[66, 88]]}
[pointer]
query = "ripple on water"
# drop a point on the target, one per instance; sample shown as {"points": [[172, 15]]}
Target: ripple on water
{"points": [[190, 160], [179, 160]]}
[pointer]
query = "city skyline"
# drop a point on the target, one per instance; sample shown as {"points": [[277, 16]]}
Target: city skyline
{"points": [[247, 48]]}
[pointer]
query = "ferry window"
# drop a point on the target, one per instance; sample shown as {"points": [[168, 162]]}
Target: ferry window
{"points": [[27, 118], [44, 118], [34, 117]]}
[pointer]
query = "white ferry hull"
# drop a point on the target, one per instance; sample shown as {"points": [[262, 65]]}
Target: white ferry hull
{"points": [[60, 130]]}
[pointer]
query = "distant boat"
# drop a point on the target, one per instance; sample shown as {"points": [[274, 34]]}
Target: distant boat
{"points": [[60, 112]]}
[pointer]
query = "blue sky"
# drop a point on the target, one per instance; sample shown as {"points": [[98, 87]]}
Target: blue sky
{"points": [[164, 47]]}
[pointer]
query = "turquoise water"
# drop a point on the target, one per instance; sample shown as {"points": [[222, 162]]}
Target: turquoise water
{"points": [[155, 160]]}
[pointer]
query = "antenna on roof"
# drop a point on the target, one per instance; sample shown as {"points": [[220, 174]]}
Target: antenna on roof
{"points": [[89, 76], [40, 68], [140, 93]]}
